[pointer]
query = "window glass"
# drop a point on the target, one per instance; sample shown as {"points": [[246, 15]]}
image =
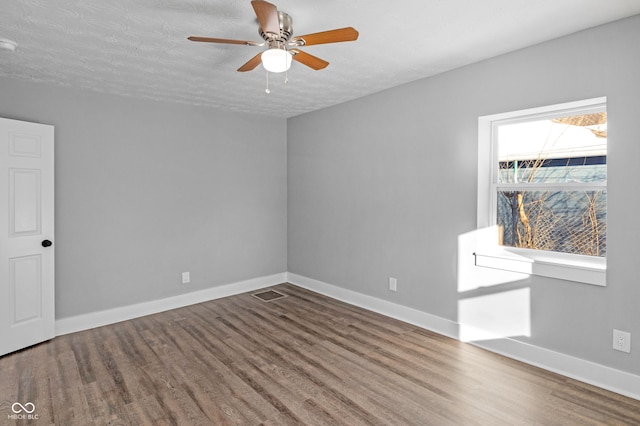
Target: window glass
{"points": [[572, 222], [550, 182], [563, 149]]}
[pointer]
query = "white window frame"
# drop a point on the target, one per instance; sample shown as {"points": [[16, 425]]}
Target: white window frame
{"points": [[571, 267]]}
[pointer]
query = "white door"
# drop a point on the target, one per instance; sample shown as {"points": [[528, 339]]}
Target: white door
{"points": [[26, 235]]}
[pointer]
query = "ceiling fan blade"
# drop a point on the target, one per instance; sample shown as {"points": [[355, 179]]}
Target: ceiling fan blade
{"points": [[267, 14], [331, 36], [225, 41], [309, 60], [252, 63]]}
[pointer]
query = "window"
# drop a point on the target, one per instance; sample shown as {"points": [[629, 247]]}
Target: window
{"points": [[542, 191]]}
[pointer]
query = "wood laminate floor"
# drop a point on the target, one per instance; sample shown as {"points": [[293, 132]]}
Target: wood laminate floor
{"points": [[303, 359]]}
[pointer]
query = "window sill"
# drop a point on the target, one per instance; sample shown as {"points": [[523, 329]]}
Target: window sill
{"points": [[583, 269]]}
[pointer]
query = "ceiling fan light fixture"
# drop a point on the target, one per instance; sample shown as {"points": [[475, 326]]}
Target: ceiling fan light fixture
{"points": [[276, 60]]}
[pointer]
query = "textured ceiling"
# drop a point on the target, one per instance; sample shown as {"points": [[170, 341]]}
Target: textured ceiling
{"points": [[139, 47]]}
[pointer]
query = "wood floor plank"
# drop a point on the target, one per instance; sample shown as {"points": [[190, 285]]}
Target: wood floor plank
{"points": [[66, 391], [235, 361], [246, 328], [194, 378], [302, 359]]}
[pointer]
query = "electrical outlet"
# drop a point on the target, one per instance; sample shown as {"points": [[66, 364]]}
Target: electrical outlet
{"points": [[186, 278], [622, 341], [393, 284]]}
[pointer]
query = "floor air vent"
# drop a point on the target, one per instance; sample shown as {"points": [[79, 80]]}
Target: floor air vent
{"points": [[269, 295]]}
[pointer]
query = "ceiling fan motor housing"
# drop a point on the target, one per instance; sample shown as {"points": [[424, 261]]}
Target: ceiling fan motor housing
{"points": [[286, 29]]}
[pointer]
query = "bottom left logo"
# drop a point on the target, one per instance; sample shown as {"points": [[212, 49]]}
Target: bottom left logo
{"points": [[23, 411]]}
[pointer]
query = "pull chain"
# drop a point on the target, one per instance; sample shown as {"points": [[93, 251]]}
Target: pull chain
{"points": [[286, 70], [267, 91]]}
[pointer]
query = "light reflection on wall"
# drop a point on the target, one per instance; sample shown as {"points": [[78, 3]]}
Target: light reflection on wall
{"points": [[471, 277], [492, 303], [495, 316]]}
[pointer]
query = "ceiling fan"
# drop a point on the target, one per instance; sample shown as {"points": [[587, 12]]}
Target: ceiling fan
{"points": [[276, 29]]}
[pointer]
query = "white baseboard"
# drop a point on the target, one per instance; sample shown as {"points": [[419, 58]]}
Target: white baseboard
{"points": [[390, 309], [111, 316], [576, 368]]}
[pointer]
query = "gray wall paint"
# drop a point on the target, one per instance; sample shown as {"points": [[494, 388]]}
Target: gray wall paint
{"points": [[146, 190], [385, 186]]}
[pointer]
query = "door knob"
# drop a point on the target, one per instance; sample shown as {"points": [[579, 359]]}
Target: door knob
{"points": [[47, 243]]}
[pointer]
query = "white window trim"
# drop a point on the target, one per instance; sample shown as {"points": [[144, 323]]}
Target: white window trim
{"points": [[571, 267]]}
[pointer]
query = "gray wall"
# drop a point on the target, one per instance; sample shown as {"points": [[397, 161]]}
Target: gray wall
{"points": [[385, 186], [145, 191]]}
